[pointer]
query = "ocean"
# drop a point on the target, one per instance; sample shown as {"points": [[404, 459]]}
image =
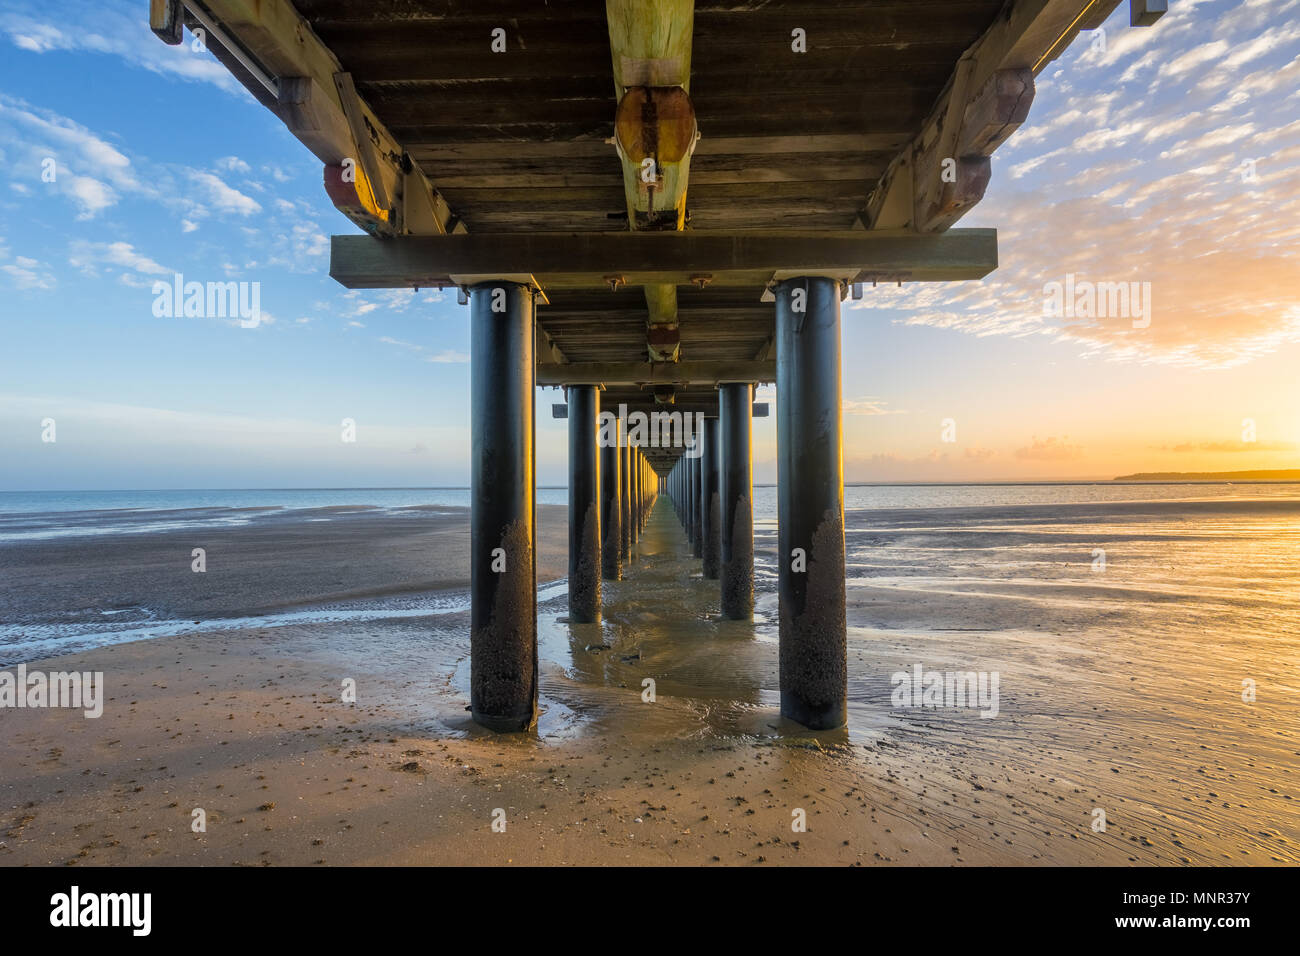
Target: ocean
{"points": [[28, 515]]}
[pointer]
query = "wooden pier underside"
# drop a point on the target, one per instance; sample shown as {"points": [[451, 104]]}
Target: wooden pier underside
{"points": [[454, 141]]}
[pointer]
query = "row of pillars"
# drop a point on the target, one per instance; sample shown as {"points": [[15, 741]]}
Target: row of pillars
{"points": [[611, 491], [612, 488], [711, 489]]}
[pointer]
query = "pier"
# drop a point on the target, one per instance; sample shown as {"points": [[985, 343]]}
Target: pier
{"points": [[655, 206]]}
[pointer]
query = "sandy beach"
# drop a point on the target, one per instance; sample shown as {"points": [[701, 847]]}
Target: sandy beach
{"points": [[1119, 691]]}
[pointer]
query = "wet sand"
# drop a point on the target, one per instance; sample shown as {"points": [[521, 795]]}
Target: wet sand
{"points": [[276, 561], [1128, 702]]}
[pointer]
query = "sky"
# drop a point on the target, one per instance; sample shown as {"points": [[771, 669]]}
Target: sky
{"points": [[1166, 157]]}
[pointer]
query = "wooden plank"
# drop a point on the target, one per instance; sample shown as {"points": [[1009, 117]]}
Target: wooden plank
{"points": [[431, 134], [543, 178], [734, 320], [380, 60], [658, 373], [785, 111], [878, 142], [522, 222], [610, 198], [525, 170], [528, 27], [405, 13], [584, 260]]}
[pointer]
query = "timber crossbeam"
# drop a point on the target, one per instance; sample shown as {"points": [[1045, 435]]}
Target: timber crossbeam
{"points": [[594, 260]]}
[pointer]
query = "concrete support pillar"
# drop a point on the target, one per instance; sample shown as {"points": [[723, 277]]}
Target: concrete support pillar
{"points": [[687, 514], [636, 495], [611, 508], [735, 403], [688, 502], [625, 493], [584, 504], [674, 489], [503, 583], [697, 497], [710, 515], [673, 494], [810, 503], [640, 494]]}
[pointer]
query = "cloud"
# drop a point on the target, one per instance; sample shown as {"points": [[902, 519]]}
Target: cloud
{"points": [[86, 255], [233, 164], [224, 198], [1231, 446], [449, 357], [307, 246], [444, 357], [390, 300], [398, 342], [1050, 449], [110, 29], [28, 273], [868, 406], [56, 154], [91, 195]]}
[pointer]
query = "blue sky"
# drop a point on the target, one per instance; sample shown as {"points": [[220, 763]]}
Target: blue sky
{"points": [[1130, 168]]}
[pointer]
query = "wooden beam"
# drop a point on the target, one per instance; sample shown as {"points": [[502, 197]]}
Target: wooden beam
{"points": [[593, 260], [167, 21], [654, 373], [312, 106], [952, 167], [547, 351], [1143, 13], [364, 136], [650, 47], [943, 172]]}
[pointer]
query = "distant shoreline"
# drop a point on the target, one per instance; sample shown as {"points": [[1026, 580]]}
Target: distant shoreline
{"points": [[1178, 477]]}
